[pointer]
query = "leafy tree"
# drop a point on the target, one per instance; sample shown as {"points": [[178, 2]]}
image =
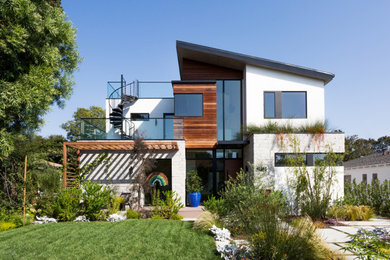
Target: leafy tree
{"points": [[73, 127], [38, 54], [356, 147], [41, 176]]}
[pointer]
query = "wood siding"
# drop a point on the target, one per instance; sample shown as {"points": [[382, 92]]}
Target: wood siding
{"points": [[200, 132], [194, 70]]}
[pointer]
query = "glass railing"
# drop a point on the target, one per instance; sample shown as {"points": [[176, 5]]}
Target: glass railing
{"points": [[127, 129], [140, 89]]}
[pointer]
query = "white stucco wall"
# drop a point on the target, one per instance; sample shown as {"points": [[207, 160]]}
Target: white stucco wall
{"points": [[259, 80], [356, 173], [117, 175], [262, 149]]}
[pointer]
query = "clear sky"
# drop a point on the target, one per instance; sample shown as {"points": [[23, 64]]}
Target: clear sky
{"points": [[137, 38]]}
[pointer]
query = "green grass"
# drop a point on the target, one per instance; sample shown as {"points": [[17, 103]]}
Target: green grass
{"points": [[130, 239]]}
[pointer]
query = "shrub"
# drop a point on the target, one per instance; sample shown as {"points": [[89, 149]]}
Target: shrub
{"points": [[193, 182], [115, 204], [214, 205], [45, 204], [6, 226], [169, 207], [351, 212], [375, 195], [68, 204], [205, 221], [278, 240], [16, 218], [132, 214], [95, 197], [312, 188], [155, 194], [245, 200], [368, 245], [273, 127]]}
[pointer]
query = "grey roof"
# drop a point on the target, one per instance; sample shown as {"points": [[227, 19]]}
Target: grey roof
{"points": [[186, 50], [369, 160]]}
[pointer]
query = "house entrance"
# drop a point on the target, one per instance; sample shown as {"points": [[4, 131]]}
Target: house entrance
{"points": [[214, 167]]}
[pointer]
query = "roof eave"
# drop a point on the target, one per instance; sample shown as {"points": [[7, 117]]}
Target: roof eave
{"points": [[242, 60]]}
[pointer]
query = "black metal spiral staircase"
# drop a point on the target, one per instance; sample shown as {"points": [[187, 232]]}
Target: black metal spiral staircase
{"points": [[128, 95]]}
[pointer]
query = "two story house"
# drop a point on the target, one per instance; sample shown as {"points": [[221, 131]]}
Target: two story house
{"points": [[196, 123]]}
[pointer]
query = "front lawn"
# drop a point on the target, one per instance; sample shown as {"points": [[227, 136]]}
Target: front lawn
{"points": [[130, 239]]}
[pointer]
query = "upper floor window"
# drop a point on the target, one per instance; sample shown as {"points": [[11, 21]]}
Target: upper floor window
{"points": [[285, 104], [188, 104], [139, 116]]}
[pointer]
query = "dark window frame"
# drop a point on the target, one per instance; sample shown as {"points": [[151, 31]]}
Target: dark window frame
{"points": [[278, 104], [174, 105], [140, 118], [309, 159]]}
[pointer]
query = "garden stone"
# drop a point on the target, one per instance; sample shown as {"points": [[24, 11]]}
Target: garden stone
{"points": [[44, 220], [220, 234], [81, 219], [116, 218]]}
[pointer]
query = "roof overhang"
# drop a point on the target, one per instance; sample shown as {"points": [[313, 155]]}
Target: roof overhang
{"points": [[233, 60]]}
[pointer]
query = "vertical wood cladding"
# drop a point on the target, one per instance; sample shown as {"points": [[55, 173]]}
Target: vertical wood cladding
{"points": [[200, 131], [194, 70]]}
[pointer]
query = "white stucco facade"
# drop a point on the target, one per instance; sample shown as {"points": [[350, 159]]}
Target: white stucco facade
{"points": [[258, 80], [382, 171]]}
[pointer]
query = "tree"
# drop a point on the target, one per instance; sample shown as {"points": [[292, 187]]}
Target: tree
{"points": [[38, 54], [41, 175], [356, 147], [73, 127]]}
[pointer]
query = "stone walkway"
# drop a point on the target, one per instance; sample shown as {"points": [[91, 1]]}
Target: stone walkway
{"points": [[337, 236], [191, 214]]}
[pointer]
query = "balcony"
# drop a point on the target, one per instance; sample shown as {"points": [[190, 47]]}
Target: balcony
{"points": [[127, 129], [139, 89]]}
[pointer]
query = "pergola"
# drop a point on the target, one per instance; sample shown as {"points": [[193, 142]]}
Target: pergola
{"points": [[68, 180]]}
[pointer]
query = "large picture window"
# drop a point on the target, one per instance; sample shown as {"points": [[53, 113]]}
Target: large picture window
{"points": [[188, 104], [228, 110], [285, 104]]}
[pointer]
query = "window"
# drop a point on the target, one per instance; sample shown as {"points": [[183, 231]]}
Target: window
{"points": [[229, 110], [282, 159], [188, 104], [374, 177], [139, 116], [347, 178], [269, 107], [168, 126], [364, 177], [285, 104], [199, 154], [309, 159]]}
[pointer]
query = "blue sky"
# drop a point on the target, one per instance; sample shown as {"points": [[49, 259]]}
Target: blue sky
{"points": [[137, 38]]}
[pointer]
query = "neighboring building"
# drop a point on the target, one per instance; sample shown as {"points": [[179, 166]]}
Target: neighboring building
{"points": [[368, 168], [198, 125]]}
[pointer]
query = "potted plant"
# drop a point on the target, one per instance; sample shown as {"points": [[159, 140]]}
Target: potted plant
{"points": [[193, 187]]}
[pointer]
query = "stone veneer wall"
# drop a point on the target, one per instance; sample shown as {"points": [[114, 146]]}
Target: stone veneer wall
{"points": [[262, 149]]}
